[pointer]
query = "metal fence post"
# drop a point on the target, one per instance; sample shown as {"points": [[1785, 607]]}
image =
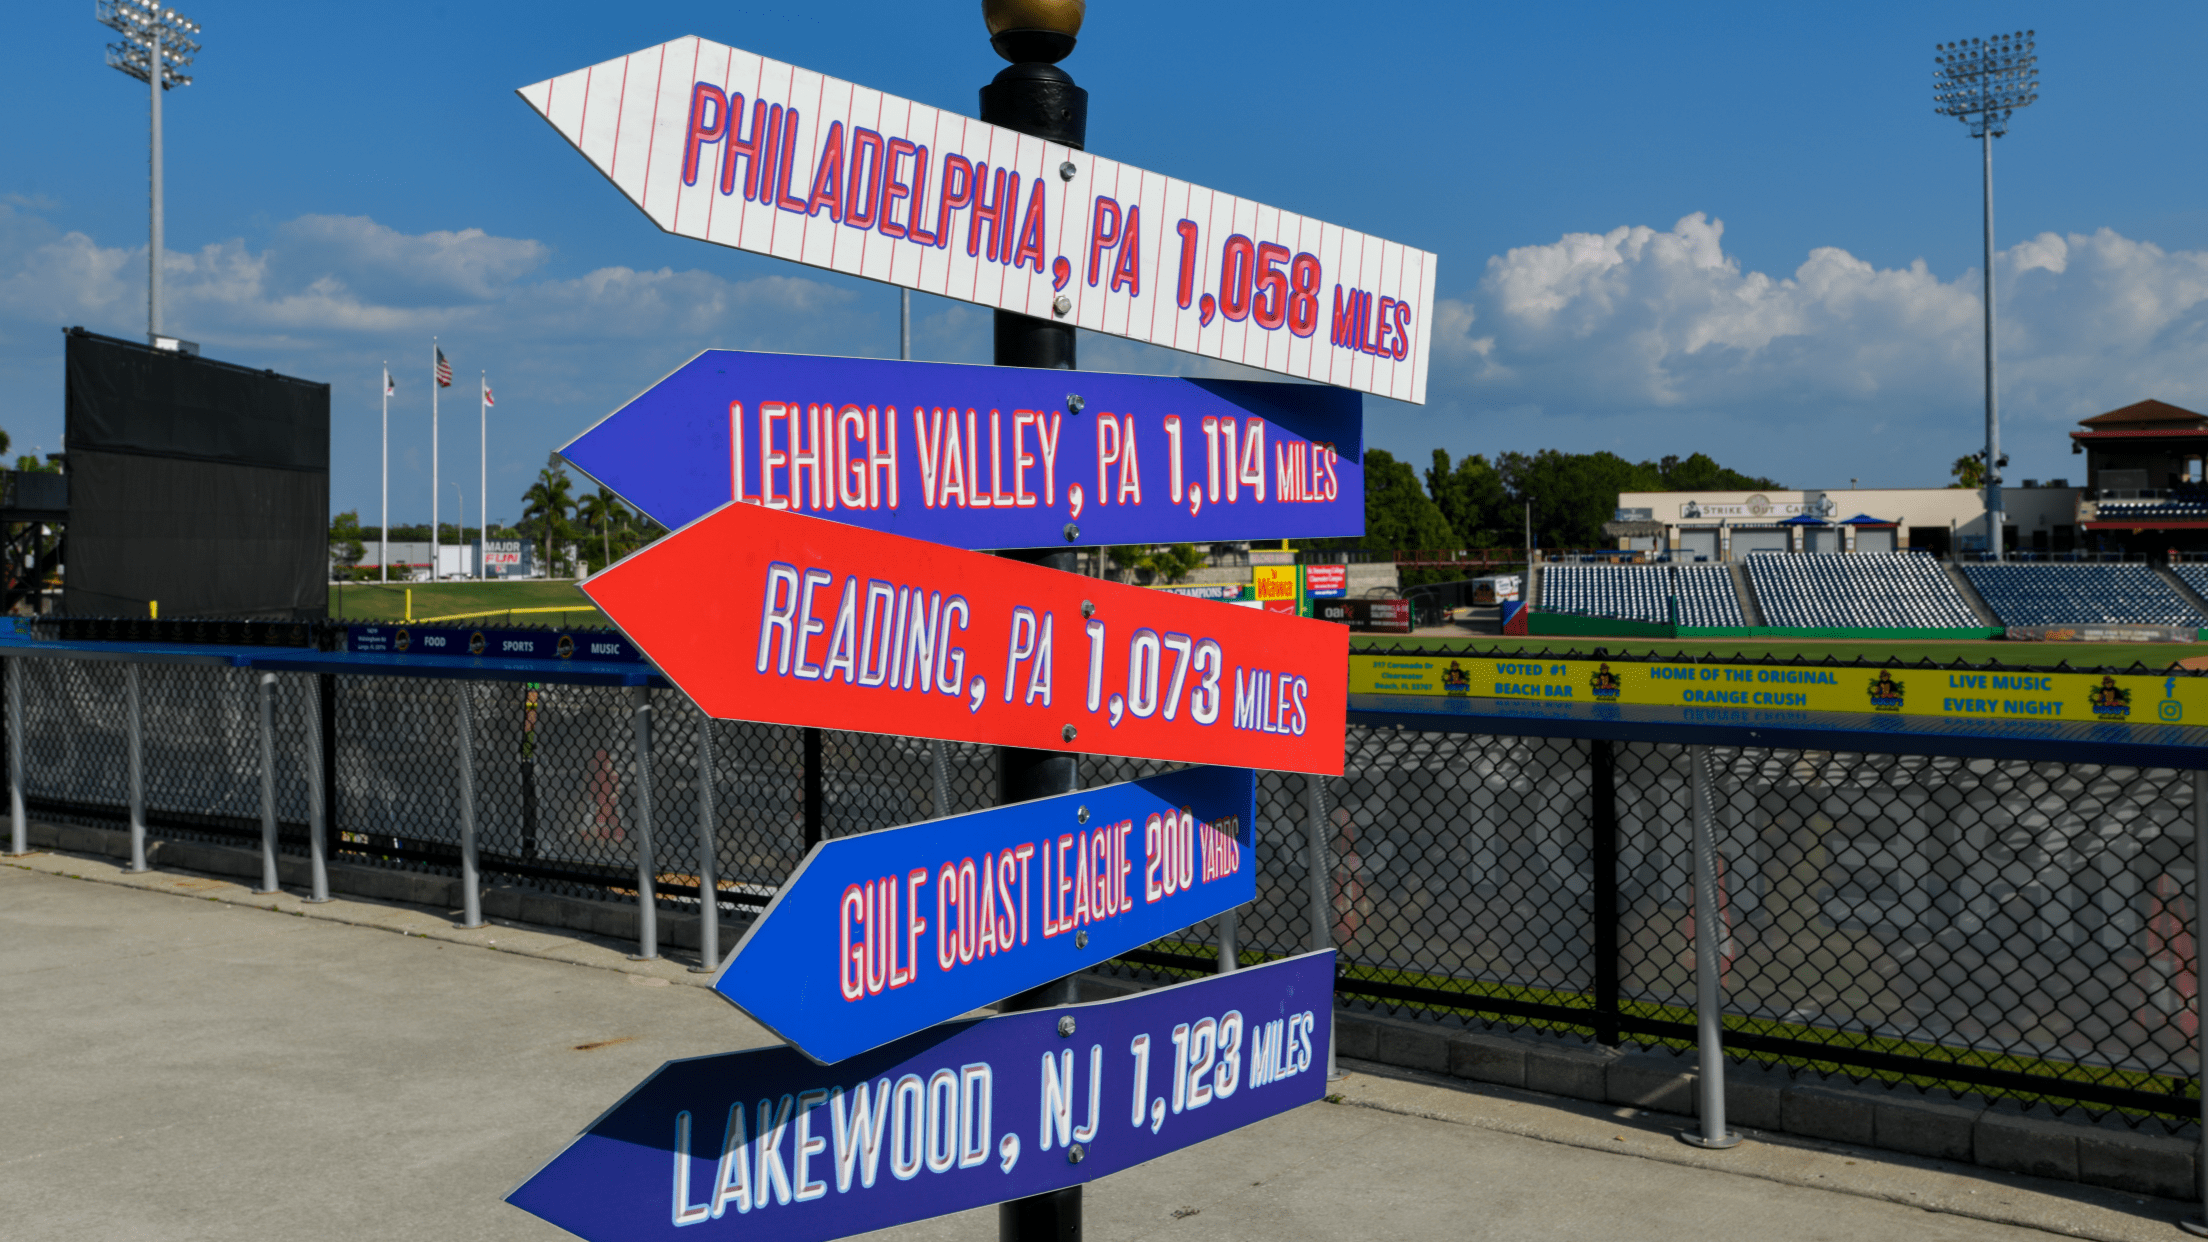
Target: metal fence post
{"points": [[326, 729], [942, 779], [318, 858], [267, 688], [471, 878], [647, 908], [2198, 1225], [19, 838], [709, 882], [1603, 861], [1228, 950], [136, 754], [1322, 896], [814, 828], [1709, 937]]}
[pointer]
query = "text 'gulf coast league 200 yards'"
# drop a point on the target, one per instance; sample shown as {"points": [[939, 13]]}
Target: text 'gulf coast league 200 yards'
{"points": [[760, 614], [729, 147], [987, 907]]}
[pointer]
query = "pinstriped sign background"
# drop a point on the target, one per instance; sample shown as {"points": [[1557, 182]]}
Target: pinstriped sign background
{"points": [[732, 148]]}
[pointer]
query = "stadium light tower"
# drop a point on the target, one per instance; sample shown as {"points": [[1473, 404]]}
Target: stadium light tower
{"points": [[156, 48], [1980, 82]]}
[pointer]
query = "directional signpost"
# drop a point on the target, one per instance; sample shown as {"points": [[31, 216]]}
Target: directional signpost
{"points": [[826, 571], [987, 457], [880, 935], [729, 147], [763, 614], [767, 1144]]}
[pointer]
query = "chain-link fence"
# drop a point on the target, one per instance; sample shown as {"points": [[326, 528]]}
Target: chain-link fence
{"points": [[2020, 930]]}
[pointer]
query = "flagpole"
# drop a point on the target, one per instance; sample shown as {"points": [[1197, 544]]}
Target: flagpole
{"points": [[483, 484], [383, 545], [436, 537]]}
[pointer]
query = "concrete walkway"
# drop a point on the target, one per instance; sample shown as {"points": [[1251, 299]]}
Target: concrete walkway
{"points": [[183, 1062]]}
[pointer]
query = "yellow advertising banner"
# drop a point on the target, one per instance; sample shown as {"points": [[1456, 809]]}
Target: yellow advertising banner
{"points": [[1960, 693]]}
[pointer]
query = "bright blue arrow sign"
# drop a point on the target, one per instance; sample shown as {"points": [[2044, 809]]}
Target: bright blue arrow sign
{"points": [[883, 934], [766, 1144], [987, 457]]}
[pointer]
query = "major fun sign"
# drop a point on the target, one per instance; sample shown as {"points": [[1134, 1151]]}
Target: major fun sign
{"points": [[732, 148]]}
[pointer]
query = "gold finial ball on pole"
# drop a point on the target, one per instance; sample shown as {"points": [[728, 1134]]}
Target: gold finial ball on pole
{"points": [[1033, 30]]}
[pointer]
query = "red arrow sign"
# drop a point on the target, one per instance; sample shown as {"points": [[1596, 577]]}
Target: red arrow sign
{"points": [[759, 614]]}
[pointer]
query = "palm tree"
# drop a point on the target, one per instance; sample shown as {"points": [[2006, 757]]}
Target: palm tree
{"points": [[547, 504], [599, 512]]}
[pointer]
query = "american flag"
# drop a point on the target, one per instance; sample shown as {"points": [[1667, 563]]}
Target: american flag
{"points": [[488, 399], [389, 385], [444, 371]]}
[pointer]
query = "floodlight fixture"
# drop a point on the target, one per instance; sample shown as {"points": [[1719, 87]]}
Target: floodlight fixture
{"points": [[157, 46], [1982, 82], [150, 32]]}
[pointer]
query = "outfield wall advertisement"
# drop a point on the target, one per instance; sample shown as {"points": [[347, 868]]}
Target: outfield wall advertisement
{"points": [[2156, 698]]}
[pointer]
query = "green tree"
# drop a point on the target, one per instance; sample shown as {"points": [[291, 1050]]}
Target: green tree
{"points": [[1572, 494], [347, 544], [1472, 496], [600, 512], [1969, 471], [545, 512], [1699, 473], [34, 465], [1171, 563]]}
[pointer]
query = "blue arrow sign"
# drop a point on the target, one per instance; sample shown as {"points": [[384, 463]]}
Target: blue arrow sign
{"points": [[766, 1144], [880, 935], [987, 457]]}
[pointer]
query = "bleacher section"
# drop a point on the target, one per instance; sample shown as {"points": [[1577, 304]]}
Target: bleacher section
{"points": [[2082, 595], [1869, 590], [1643, 592], [1626, 592], [2183, 504], [2194, 576], [1706, 596]]}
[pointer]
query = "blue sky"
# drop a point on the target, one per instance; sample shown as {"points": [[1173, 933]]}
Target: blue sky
{"points": [[1736, 229]]}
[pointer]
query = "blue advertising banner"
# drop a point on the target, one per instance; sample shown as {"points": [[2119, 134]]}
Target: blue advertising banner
{"points": [[591, 646], [883, 934], [766, 1144], [987, 457]]}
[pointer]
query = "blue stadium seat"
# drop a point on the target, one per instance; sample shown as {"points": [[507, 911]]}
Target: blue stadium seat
{"points": [[1706, 596], [2081, 595], [1864, 589], [1642, 592]]}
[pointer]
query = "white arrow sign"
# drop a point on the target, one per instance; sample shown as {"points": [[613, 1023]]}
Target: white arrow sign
{"points": [[735, 149]]}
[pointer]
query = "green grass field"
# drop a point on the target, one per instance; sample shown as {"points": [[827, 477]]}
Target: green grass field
{"points": [[2079, 655], [376, 602]]}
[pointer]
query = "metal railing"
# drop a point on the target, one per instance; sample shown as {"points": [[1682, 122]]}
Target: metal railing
{"points": [[2020, 929]]}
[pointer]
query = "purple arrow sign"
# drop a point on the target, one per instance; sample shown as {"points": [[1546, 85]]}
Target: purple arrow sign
{"points": [[883, 934], [987, 457], [766, 1144]]}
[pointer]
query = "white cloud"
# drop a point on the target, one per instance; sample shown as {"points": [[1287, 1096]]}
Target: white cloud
{"points": [[332, 297], [1640, 340], [1666, 319]]}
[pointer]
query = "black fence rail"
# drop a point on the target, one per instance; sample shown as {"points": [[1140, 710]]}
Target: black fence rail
{"points": [[2015, 929]]}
